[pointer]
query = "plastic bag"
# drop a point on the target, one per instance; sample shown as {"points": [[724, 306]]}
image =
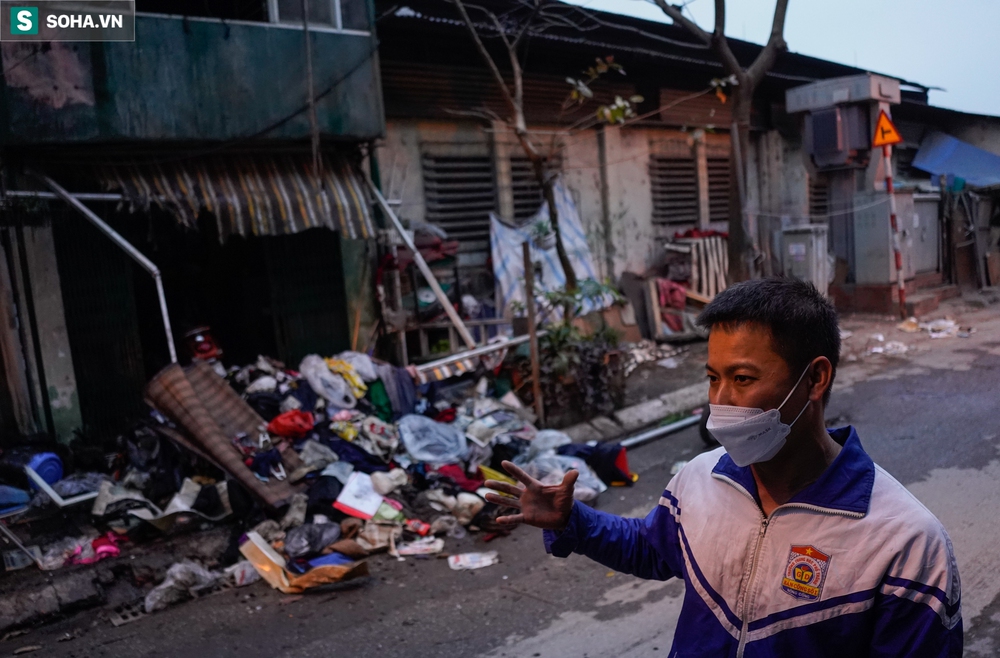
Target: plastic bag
{"points": [[242, 573], [310, 539], [184, 580], [56, 555], [327, 385], [314, 452], [293, 424], [544, 441], [362, 363], [429, 441], [550, 468]]}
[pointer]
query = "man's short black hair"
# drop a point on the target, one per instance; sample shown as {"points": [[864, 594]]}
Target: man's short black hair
{"points": [[803, 323]]}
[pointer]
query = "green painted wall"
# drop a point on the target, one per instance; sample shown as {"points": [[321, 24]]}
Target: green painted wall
{"points": [[192, 80], [359, 284]]}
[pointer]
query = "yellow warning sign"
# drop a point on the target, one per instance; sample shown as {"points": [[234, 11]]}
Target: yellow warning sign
{"points": [[885, 131]]}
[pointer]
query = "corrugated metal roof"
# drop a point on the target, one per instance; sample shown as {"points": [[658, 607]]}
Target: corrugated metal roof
{"points": [[250, 194]]}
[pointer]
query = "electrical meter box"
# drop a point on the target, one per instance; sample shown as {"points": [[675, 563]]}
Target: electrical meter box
{"points": [[804, 255]]}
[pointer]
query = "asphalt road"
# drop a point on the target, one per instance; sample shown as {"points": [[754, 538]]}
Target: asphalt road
{"points": [[930, 418]]}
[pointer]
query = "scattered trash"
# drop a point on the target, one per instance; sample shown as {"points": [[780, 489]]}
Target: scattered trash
{"points": [[15, 559], [184, 580], [424, 546], [10, 635], [944, 328], [646, 351], [845, 334], [878, 338], [891, 348], [27, 649], [669, 362], [909, 325], [242, 574], [466, 561]]}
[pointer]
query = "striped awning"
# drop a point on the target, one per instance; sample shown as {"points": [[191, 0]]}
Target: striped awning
{"points": [[251, 194]]}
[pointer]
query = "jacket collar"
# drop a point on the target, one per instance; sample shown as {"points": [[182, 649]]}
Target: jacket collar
{"points": [[845, 486]]}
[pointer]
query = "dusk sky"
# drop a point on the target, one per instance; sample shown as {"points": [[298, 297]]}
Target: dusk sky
{"points": [[951, 45]]}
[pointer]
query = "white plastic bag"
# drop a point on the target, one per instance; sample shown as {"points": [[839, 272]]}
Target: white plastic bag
{"points": [[184, 579], [550, 468], [430, 441], [362, 363], [327, 385]]}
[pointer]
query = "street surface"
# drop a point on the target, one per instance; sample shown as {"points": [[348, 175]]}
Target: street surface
{"points": [[929, 417]]}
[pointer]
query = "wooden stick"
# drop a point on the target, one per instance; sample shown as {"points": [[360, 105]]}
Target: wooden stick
{"points": [[529, 302]]}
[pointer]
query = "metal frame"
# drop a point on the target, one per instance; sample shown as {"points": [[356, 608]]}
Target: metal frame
{"points": [[9, 534], [51, 493], [136, 255]]}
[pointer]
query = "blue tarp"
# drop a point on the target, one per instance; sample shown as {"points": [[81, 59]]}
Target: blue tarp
{"points": [[942, 154]]}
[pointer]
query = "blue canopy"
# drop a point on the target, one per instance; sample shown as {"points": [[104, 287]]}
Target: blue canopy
{"points": [[943, 154]]}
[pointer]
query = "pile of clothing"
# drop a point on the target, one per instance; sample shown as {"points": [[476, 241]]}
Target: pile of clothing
{"points": [[376, 480]]}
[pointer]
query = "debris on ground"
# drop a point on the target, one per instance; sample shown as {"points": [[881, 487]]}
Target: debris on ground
{"points": [[646, 351], [890, 348], [467, 561], [314, 469]]}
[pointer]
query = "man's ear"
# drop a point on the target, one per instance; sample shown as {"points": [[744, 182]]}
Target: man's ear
{"points": [[820, 378]]}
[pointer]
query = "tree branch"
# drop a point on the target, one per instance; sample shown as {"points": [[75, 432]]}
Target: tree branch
{"points": [[497, 76], [678, 17], [721, 45], [527, 24], [775, 44]]}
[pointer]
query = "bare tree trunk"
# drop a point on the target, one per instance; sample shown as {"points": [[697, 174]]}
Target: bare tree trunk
{"points": [[548, 190], [740, 244]]}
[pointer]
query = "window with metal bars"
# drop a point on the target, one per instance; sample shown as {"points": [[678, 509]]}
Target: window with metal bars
{"points": [[819, 196], [526, 191], [460, 193], [718, 189], [674, 185]]}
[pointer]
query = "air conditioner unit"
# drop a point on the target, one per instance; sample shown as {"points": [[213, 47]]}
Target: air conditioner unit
{"points": [[804, 255], [837, 137]]}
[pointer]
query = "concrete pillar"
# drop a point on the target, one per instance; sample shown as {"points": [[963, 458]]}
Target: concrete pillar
{"points": [[53, 337]]}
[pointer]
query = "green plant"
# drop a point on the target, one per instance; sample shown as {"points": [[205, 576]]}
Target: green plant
{"points": [[572, 302]]}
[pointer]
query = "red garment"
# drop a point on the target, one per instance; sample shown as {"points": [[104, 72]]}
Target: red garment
{"points": [[457, 473], [672, 296], [446, 416], [294, 424], [699, 233]]}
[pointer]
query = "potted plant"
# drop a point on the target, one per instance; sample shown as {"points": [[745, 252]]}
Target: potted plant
{"points": [[542, 235], [519, 321]]}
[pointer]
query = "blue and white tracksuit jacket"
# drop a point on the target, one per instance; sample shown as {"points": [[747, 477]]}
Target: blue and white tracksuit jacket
{"points": [[851, 566]]}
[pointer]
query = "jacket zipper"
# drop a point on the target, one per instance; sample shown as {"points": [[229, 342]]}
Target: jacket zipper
{"points": [[764, 522], [744, 631]]}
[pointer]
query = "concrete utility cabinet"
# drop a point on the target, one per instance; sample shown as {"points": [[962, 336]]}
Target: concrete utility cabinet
{"points": [[838, 119], [804, 254]]}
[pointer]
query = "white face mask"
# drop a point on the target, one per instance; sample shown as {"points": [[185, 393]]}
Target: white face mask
{"points": [[751, 435]]}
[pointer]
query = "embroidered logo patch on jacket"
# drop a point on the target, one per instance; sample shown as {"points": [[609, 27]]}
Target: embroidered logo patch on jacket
{"points": [[805, 572]]}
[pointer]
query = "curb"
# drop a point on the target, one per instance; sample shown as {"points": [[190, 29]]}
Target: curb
{"points": [[640, 416]]}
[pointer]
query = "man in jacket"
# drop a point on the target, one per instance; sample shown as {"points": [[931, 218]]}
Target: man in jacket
{"points": [[791, 541]]}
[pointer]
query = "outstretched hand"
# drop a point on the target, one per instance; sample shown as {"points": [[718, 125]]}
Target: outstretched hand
{"points": [[540, 505]]}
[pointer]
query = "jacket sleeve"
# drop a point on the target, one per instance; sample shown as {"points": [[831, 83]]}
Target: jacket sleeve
{"points": [[918, 611], [647, 548]]}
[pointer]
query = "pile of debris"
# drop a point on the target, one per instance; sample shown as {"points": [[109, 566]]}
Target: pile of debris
{"points": [[315, 468]]}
